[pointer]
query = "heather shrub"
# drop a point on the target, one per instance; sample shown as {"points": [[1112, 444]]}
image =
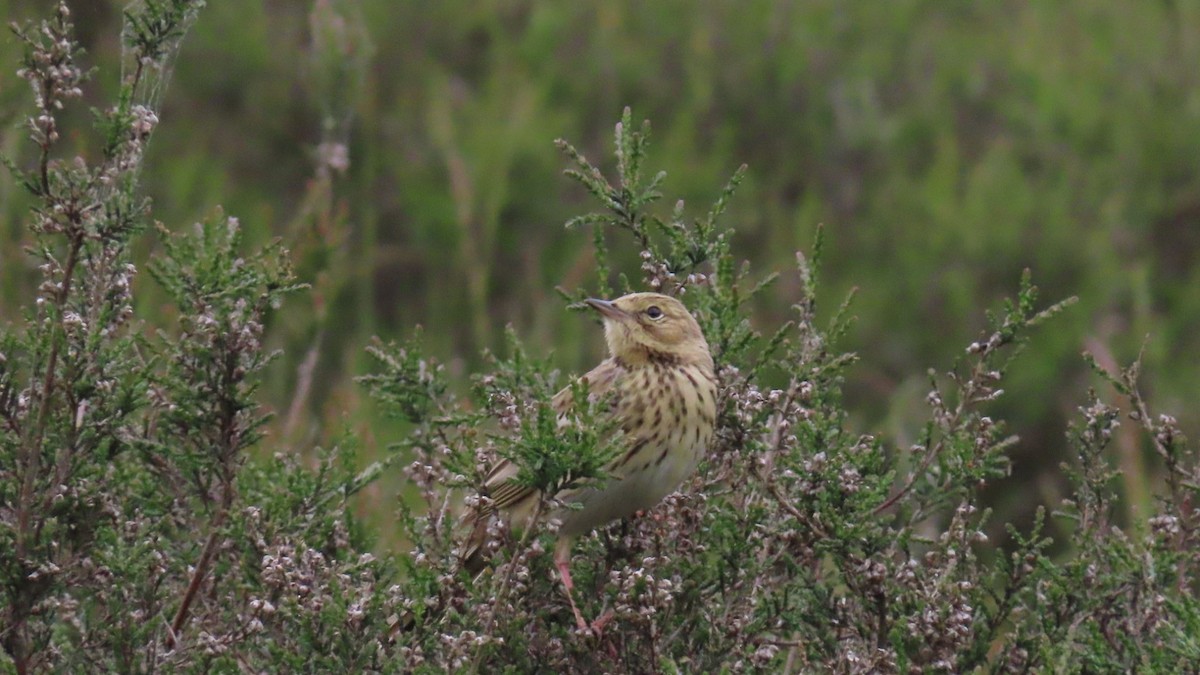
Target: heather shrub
{"points": [[802, 545], [136, 532], [147, 522]]}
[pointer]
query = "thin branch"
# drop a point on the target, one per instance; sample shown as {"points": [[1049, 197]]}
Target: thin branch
{"points": [[31, 452], [202, 565], [304, 379], [968, 394]]}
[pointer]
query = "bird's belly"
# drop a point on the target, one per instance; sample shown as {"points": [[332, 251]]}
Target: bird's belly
{"points": [[622, 497]]}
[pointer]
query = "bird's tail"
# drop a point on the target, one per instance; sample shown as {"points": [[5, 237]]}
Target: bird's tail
{"points": [[474, 557]]}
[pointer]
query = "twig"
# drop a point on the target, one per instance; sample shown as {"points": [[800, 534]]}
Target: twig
{"points": [[304, 378], [32, 449], [968, 393], [777, 441], [202, 565]]}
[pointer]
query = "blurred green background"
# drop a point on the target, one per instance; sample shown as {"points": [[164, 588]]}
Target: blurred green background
{"points": [[944, 145]]}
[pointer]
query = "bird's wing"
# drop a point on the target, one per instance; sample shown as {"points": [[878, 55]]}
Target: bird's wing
{"points": [[499, 484], [599, 381]]}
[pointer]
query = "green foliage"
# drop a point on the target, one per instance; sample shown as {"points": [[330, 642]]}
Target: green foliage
{"points": [[407, 384], [688, 247], [553, 452], [207, 390]]}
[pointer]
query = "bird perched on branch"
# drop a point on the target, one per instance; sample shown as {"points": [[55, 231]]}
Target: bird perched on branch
{"points": [[664, 396]]}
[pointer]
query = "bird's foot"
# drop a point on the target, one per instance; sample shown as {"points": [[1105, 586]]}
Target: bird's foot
{"points": [[564, 571], [580, 622], [602, 621], [563, 563], [596, 627]]}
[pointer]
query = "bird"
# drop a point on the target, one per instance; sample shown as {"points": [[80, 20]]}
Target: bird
{"points": [[660, 376]]}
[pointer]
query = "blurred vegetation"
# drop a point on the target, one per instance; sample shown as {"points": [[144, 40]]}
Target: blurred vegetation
{"points": [[403, 151]]}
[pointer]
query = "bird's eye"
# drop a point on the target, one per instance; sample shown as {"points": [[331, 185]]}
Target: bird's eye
{"points": [[654, 312]]}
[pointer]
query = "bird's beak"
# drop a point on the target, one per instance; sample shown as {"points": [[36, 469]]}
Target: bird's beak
{"points": [[606, 309]]}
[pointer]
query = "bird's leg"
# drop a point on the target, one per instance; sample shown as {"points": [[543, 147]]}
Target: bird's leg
{"points": [[562, 560]]}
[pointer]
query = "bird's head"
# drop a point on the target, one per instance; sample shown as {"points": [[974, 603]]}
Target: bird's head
{"points": [[644, 327]]}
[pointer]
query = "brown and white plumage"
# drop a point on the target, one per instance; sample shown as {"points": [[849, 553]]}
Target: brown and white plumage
{"points": [[660, 376]]}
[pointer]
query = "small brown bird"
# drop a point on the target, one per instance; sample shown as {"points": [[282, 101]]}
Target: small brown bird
{"points": [[660, 375]]}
